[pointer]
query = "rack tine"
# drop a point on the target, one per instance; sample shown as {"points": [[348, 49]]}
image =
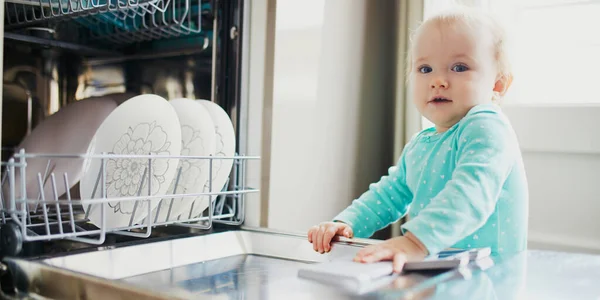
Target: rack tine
{"points": [[4, 177], [236, 186], [2, 197], [70, 5], [172, 199], [199, 24], [103, 195], [42, 11], [149, 217], [24, 206], [149, 227], [139, 193], [58, 216], [27, 211], [100, 176], [222, 199], [242, 201], [52, 11], [46, 222], [149, 188], [71, 217], [210, 196], [44, 183], [192, 209], [11, 183]]}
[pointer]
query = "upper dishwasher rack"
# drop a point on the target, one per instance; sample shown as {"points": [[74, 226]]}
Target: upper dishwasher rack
{"points": [[114, 21]]}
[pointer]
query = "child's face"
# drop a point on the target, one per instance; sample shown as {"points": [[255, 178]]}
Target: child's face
{"points": [[453, 69]]}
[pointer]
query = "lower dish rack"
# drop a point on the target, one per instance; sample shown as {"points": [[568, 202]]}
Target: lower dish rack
{"points": [[28, 218]]}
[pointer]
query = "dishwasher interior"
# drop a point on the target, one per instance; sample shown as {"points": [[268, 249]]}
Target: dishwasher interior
{"points": [[59, 52]]}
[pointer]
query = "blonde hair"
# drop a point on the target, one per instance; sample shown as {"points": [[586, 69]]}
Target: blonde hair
{"points": [[476, 19]]}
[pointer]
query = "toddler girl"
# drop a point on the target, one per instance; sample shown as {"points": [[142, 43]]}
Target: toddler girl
{"points": [[462, 182]]}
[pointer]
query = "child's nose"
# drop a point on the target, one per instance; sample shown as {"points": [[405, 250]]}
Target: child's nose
{"points": [[439, 82]]}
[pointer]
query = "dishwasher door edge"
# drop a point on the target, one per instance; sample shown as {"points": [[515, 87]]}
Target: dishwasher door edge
{"points": [[33, 278]]}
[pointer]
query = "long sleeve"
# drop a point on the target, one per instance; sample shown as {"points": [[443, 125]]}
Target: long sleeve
{"points": [[485, 156], [383, 203]]}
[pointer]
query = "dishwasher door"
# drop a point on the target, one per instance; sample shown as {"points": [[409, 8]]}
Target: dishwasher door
{"points": [[243, 264]]}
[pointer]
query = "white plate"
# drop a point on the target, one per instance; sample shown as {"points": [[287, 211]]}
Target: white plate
{"points": [[198, 139], [145, 124], [225, 147], [68, 131]]}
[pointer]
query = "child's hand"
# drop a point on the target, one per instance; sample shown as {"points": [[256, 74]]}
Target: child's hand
{"points": [[320, 236], [399, 249]]}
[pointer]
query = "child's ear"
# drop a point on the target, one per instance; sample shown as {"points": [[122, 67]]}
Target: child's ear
{"points": [[503, 82]]}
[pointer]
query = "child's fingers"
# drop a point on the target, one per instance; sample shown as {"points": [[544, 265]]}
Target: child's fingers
{"points": [[311, 232], [399, 261], [315, 238], [345, 230], [320, 237], [379, 255], [365, 252], [330, 232]]}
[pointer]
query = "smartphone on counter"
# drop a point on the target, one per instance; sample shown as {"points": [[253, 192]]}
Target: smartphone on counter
{"points": [[449, 259]]}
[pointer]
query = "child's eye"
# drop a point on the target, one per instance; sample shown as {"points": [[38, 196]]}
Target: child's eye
{"points": [[460, 68], [425, 69]]}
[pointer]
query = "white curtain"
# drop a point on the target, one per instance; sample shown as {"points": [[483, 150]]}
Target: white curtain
{"points": [[408, 121]]}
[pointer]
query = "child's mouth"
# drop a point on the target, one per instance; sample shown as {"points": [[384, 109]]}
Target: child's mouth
{"points": [[440, 100]]}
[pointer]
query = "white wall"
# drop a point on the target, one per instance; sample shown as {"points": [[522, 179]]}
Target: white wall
{"points": [[332, 95], [295, 107], [561, 150]]}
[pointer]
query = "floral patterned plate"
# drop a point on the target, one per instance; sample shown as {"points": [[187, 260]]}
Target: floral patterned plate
{"points": [[145, 124], [225, 147], [198, 139]]}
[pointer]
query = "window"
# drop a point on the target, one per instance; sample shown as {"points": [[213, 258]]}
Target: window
{"points": [[555, 46]]}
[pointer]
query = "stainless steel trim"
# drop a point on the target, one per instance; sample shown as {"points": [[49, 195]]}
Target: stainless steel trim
{"points": [[134, 260], [267, 114], [40, 282], [213, 77], [1, 61]]}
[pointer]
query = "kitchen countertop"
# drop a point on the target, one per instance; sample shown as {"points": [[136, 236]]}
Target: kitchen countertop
{"points": [[527, 275], [533, 274]]}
